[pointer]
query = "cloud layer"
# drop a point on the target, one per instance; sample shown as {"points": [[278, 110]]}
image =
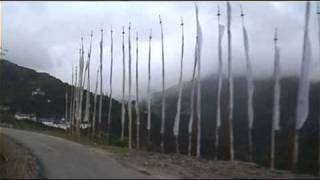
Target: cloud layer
{"points": [[45, 36]]}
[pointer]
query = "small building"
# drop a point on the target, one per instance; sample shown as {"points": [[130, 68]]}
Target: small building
{"points": [[55, 125], [4, 108], [85, 125], [49, 119], [20, 116], [38, 91], [64, 125]]}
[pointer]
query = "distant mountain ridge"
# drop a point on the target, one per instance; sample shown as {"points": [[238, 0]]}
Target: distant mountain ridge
{"points": [[263, 103]]}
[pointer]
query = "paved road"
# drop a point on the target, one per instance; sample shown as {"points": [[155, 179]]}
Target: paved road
{"points": [[61, 158]]}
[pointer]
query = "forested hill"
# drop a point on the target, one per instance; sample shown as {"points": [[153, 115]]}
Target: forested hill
{"points": [[17, 84]]}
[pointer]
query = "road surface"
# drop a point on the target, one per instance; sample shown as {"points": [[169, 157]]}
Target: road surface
{"points": [[60, 158]]}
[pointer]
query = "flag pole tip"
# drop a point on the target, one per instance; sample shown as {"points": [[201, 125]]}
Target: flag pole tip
{"points": [[241, 10], [276, 34]]}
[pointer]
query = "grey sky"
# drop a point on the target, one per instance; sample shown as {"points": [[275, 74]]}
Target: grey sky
{"points": [[45, 36]]}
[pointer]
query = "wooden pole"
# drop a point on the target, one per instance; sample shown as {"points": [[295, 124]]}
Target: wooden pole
{"points": [[192, 96], [176, 127], [276, 99], [163, 107], [71, 101], [303, 90], [318, 15], [101, 86], [199, 42], [110, 96], [123, 111], [95, 106], [230, 85], [295, 151], [137, 95], [129, 96], [87, 110], [218, 114], [66, 111], [149, 92]]}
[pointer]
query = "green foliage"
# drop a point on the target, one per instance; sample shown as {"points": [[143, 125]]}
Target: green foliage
{"points": [[17, 84], [116, 141]]}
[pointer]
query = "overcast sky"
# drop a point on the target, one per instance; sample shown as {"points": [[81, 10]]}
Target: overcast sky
{"points": [[45, 36]]}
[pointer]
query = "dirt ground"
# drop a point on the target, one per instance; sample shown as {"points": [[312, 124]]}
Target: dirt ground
{"points": [[16, 161], [184, 167]]}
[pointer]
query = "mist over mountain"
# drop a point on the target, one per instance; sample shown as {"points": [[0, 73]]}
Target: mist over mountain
{"points": [[44, 46], [263, 103]]}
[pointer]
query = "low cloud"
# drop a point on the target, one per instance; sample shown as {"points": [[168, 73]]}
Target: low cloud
{"points": [[45, 36]]}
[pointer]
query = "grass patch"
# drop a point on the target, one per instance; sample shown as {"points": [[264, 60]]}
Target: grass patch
{"points": [[15, 160]]}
